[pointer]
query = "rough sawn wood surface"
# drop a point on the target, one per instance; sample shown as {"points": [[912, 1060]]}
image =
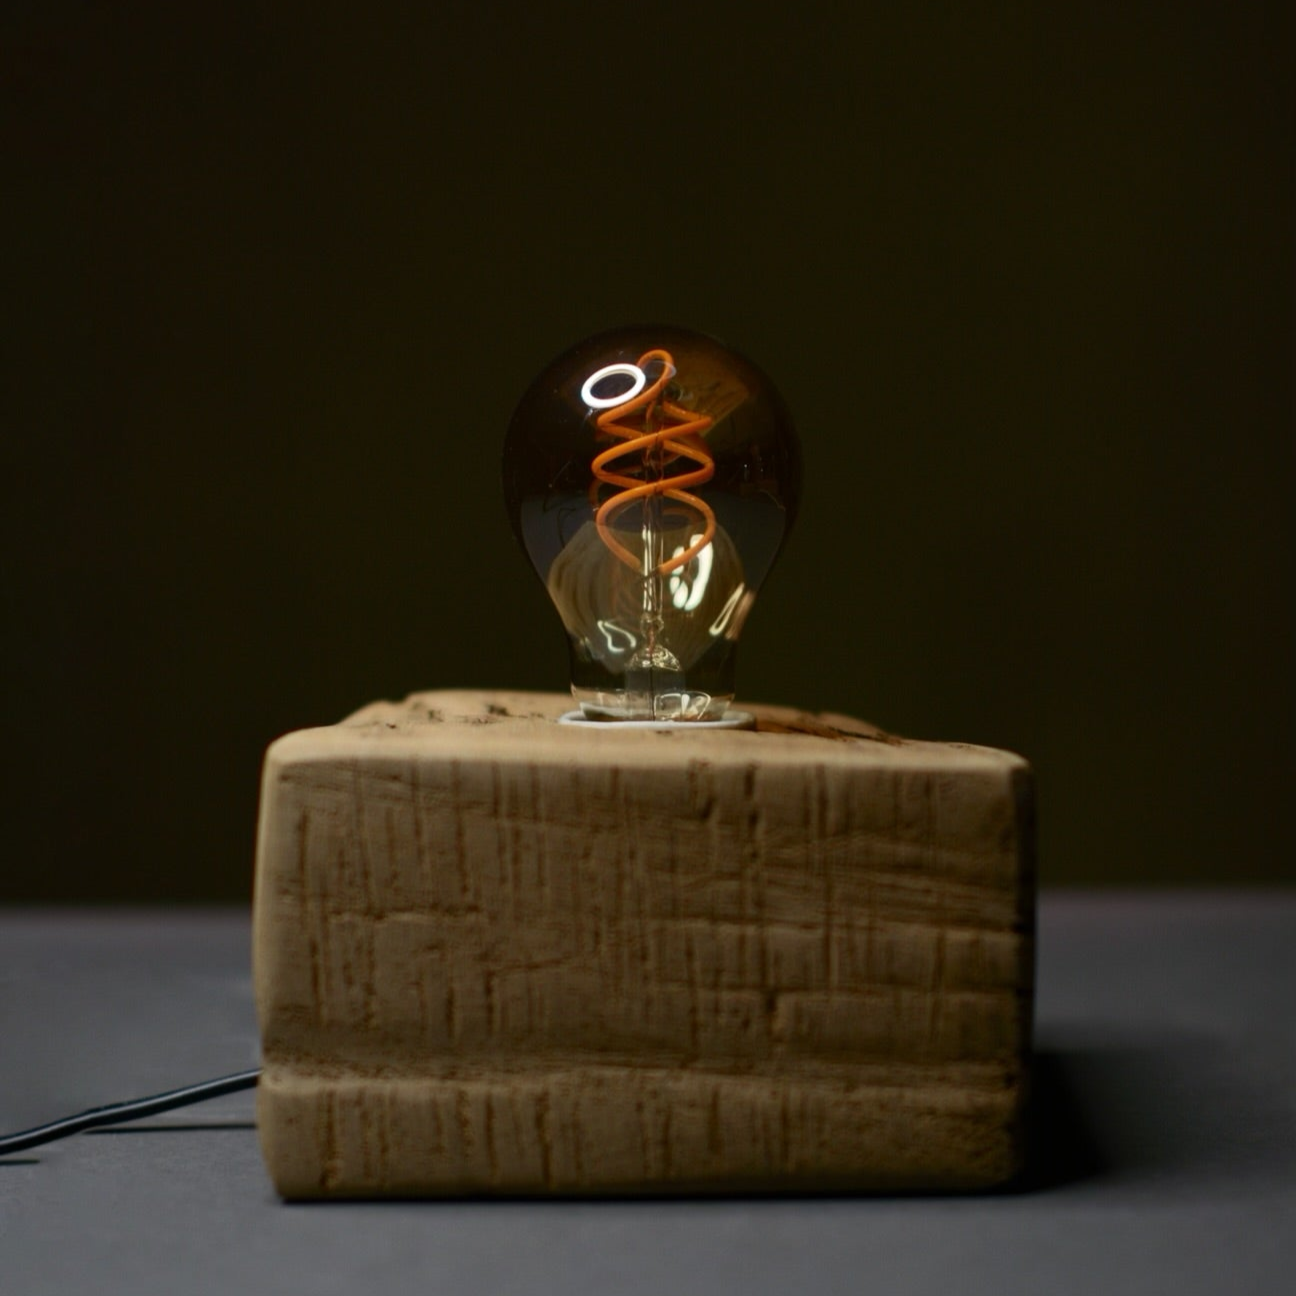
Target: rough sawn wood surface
{"points": [[499, 955]]}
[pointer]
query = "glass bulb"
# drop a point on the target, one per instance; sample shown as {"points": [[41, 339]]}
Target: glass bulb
{"points": [[652, 474]]}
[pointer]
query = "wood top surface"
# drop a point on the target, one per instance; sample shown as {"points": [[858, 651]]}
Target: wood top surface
{"points": [[502, 724]]}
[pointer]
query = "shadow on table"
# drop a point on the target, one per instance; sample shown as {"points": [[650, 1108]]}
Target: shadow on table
{"points": [[1061, 1145], [1181, 1110]]}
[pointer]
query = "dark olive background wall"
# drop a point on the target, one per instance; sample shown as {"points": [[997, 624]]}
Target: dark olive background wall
{"points": [[274, 280]]}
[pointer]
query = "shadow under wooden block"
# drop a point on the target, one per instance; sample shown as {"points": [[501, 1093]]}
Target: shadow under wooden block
{"points": [[499, 955]]}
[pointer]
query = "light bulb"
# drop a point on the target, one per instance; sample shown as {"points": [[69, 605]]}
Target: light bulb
{"points": [[652, 475]]}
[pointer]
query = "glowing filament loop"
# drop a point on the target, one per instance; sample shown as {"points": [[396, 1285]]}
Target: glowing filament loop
{"points": [[637, 380]]}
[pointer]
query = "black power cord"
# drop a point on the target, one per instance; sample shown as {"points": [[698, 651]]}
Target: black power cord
{"points": [[136, 1109]]}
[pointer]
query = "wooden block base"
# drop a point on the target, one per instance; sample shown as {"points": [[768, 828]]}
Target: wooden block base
{"points": [[498, 955]]}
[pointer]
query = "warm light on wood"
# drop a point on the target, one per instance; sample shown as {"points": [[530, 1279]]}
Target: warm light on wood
{"points": [[499, 955]]}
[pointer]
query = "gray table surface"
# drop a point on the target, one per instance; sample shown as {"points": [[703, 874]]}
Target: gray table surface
{"points": [[1163, 1144]]}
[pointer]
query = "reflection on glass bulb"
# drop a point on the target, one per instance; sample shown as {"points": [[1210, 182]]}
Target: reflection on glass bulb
{"points": [[652, 475]]}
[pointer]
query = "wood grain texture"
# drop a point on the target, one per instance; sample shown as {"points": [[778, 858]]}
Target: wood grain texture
{"points": [[498, 955]]}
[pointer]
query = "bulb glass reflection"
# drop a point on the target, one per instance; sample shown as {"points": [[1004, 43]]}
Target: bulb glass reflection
{"points": [[652, 475]]}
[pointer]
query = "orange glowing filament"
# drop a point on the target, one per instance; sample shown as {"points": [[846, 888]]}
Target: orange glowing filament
{"points": [[665, 445]]}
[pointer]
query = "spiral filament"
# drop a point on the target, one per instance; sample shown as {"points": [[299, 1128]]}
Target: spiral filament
{"points": [[657, 448]]}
